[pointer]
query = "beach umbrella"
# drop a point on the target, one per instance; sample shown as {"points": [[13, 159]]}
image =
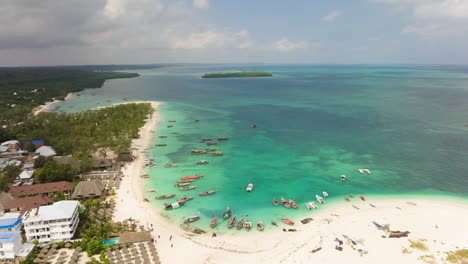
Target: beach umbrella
{"points": [[47, 246], [67, 245], [63, 253], [54, 246], [37, 260], [79, 249]]}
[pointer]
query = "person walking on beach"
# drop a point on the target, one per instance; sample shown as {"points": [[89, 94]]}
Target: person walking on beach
{"points": [[170, 238]]}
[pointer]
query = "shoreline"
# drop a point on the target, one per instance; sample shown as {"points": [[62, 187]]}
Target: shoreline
{"points": [[47, 105], [439, 222]]}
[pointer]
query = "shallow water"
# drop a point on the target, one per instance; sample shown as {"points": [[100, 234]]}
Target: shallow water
{"points": [[314, 123]]}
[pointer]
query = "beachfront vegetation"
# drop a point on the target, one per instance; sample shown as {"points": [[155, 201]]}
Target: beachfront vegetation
{"points": [[7, 175], [84, 133], [418, 245], [23, 89], [459, 256], [237, 74]]}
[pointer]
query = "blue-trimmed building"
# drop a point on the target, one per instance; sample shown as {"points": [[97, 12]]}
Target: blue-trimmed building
{"points": [[10, 224]]}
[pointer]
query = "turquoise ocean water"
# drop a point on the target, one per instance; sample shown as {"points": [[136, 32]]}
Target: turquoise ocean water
{"points": [[314, 123]]}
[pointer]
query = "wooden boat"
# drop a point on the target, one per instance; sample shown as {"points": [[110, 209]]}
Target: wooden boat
{"points": [[275, 202], [287, 221], [172, 121], [274, 223], [240, 224], [198, 151], [285, 203], [162, 137], [293, 204], [223, 138], [217, 153], [170, 126], [214, 222], [319, 199], [211, 142], [189, 180], [232, 222], [311, 205], [250, 187], [248, 225], [325, 194], [362, 197], [185, 199], [347, 198], [202, 152], [168, 165], [227, 213], [165, 196], [191, 219], [171, 206], [260, 226], [175, 133], [202, 162], [152, 190], [182, 184], [187, 188], [207, 193], [146, 176], [161, 145], [191, 177], [204, 139]]}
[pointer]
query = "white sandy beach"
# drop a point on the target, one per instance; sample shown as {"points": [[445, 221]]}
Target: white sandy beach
{"points": [[45, 107], [439, 225]]}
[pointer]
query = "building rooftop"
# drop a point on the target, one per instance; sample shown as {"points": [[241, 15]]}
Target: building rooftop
{"points": [[46, 151], [41, 188], [6, 237], [86, 189], [27, 203], [9, 223], [133, 237], [58, 210]]}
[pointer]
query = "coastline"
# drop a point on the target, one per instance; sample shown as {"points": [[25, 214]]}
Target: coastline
{"points": [[440, 223], [46, 106]]}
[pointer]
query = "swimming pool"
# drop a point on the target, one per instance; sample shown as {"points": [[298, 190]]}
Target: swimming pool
{"points": [[112, 241]]}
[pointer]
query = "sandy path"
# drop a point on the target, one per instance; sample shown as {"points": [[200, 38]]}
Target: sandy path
{"points": [[441, 225]]}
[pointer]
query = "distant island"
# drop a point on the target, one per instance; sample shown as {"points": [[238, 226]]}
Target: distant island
{"points": [[237, 74]]}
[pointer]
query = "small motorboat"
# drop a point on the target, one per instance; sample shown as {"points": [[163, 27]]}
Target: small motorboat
{"points": [[191, 177], [274, 223], [201, 152], [250, 187], [165, 196], [223, 138], [182, 184], [146, 176], [207, 193], [190, 180], [275, 202], [170, 126], [196, 151], [185, 199], [170, 165], [173, 205], [227, 213], [240, 224], [325, 194], [214, 222], [162, 137], [232, 222], [161, 145], [285, 203], [319, 199], [253, 126], [343, 177], [172, 121], [209, 149], [191, 219], [287, 221], [187, 188], [202, 162], [204, 139], [211, 142], [175, 133], [364, 170], [362, 197], [151, 190], [311, 205], [293, 204], [217, 153], [248, 225], [351, 195], [260, 226], [347, 199]]}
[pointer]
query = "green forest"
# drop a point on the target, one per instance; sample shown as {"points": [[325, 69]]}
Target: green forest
{"points": [[236, 74], [23, 89]]}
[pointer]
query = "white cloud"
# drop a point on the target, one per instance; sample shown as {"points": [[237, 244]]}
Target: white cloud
{"points": [[285, 45], [214, 39], [331, 16], [455, 9], [201, 3]]}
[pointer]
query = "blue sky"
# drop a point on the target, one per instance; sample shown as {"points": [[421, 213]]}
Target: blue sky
{"points": [[51, 32]]}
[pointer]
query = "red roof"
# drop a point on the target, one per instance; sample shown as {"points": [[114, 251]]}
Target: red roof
{"points": [[41, 188], [28, 203]]}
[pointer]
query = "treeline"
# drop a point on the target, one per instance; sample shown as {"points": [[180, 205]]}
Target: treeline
{"points": [[84, 133], [23, 89]]}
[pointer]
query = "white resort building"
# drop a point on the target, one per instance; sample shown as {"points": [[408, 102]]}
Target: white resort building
{"points": [[10, 245], [52, 223]]}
